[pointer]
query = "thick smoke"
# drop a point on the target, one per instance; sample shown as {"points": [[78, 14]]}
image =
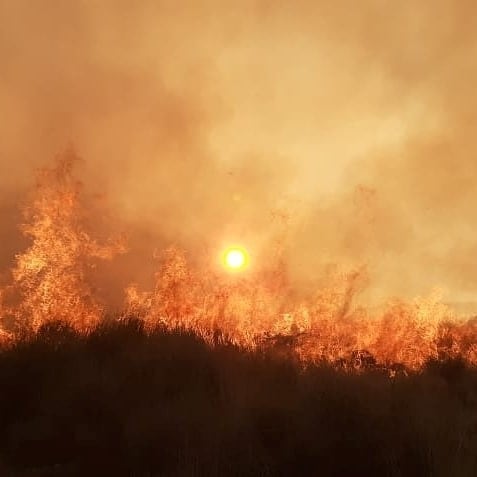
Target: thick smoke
{"points": [[197, 120]]}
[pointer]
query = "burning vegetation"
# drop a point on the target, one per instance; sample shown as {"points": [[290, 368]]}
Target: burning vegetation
{"points": [[254, 307], [51, 278]]}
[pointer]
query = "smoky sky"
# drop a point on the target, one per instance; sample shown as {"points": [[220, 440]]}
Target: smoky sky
{"points": [[198, 119]]}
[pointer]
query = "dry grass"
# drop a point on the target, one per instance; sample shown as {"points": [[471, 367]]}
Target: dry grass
{"points": [[123, 401]]}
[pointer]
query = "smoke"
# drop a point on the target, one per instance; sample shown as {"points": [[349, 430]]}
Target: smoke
{"points": [[197, 120], [414, 227]]}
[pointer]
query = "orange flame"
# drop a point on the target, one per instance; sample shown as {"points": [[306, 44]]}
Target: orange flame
{"points": [[51, 280]]}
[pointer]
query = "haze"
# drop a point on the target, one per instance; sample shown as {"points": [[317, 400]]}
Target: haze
{"points": [[197, 120]]}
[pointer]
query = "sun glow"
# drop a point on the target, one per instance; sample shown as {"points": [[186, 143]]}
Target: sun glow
{"points": [[235, 258]]}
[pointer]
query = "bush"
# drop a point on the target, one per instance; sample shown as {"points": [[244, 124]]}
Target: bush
{"points": [[123, 400]]}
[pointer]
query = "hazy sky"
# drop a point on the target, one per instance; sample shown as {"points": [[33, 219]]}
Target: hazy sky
{"points": [[197, 118]]}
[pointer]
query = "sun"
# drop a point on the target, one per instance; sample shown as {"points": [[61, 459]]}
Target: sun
{"points": [[235, 258]]}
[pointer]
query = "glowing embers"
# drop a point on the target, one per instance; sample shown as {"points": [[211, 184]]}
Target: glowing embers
{"points": [[235, 258]]}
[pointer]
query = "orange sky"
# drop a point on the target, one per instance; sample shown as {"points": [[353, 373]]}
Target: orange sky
{"points": [[196, 120]]}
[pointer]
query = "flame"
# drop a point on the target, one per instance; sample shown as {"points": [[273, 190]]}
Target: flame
{"points": [[52, 279]]}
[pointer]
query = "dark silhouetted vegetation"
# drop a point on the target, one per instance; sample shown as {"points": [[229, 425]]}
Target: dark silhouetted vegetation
{"points": [[123, 401]]}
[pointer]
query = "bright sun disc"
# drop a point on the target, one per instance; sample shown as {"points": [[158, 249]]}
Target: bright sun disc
{"points": [[235, 258]]}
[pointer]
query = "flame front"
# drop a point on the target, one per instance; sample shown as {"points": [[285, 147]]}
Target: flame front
{"points": [[51, 279]]}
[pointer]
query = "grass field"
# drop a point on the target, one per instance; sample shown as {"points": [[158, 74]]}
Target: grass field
{"points": [[123, 401]]}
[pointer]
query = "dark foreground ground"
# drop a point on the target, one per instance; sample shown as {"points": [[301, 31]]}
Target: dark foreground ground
{"points": [[122, 403]]}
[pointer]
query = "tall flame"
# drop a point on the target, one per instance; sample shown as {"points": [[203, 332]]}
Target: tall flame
{"points": [[51, 279]]}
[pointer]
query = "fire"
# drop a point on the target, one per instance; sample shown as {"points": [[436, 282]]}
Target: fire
{"points": [[235, 258], [51, 279]]}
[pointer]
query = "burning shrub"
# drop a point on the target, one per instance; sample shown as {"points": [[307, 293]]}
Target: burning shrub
{"points": [[51, 278]]}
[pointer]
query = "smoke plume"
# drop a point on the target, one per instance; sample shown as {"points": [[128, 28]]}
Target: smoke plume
{"points": [[198, 121]]}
